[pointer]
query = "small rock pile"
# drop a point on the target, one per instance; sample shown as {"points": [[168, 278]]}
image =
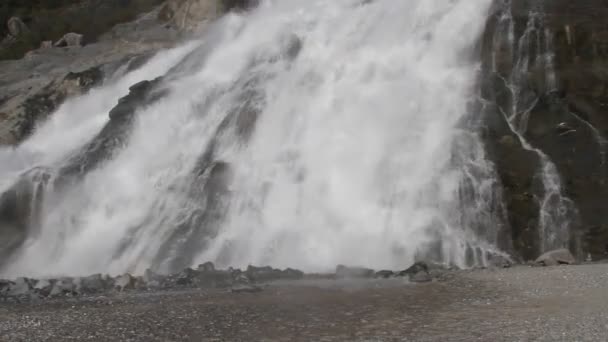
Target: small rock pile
{"points": [[205, 276]]}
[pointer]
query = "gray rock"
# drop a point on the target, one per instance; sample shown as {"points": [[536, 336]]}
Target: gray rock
{"points": [[186, 277], [43, 287], [124, 282], [556, 257], [414, 269], [499, 261], [4, 287], [92, 284], [16, 27], [419, 272], [206, 267], [384, 274], [63, 286], [70, 39], [290, 273], [20, 287], [353, 272]]}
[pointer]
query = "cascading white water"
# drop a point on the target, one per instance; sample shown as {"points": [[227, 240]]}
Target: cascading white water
{"points": [[363, 151], [534, 49]]}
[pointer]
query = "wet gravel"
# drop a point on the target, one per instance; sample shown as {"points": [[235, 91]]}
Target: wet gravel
{"points": [[567, 303]]}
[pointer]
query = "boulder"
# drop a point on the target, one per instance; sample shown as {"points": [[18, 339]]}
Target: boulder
{"points": [[20, 287], [353, 272], [415, 268], [265, 273], [63, 286], [290, 273], [4, 287], [43, 287], [499, 261], [16, 27], [186, 277], [206, 267], [556, 257], [419, 272], [92, 284], [384, 274], [70, 39], [124, 282]]}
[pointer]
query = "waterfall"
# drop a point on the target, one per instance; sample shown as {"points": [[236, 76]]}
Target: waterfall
{"points": [[305, 133], [532, 51]]}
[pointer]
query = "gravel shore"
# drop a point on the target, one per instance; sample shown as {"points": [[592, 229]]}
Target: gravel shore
{"points": [[566, 303]]}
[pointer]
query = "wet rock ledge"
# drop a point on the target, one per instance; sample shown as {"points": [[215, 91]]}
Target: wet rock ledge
{"points": [[205, 276]]}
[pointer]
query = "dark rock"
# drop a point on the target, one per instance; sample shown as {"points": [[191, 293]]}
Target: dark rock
{"points": [[292, 274], [5, 285], [499, 261], [566, 120], [384, 274], [415, 268], [353, 272], [206, 267], [261, 274], [92, 284], [140, 94], [420, 272], [556, 257], [63, 287], [114, 133], [186, 277], [43, 287]]}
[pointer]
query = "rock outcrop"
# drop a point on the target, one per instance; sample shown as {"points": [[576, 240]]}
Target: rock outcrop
{"points": [[562, 95], [16, 27], [556, 257], [70, 39], [33, 87]]}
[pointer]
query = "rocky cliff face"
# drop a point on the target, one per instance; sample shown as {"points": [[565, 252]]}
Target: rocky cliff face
{"points": [[546, 66], [35, 86]]}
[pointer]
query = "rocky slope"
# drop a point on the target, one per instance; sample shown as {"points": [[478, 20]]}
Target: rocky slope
{"points": [[34, 86]]}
